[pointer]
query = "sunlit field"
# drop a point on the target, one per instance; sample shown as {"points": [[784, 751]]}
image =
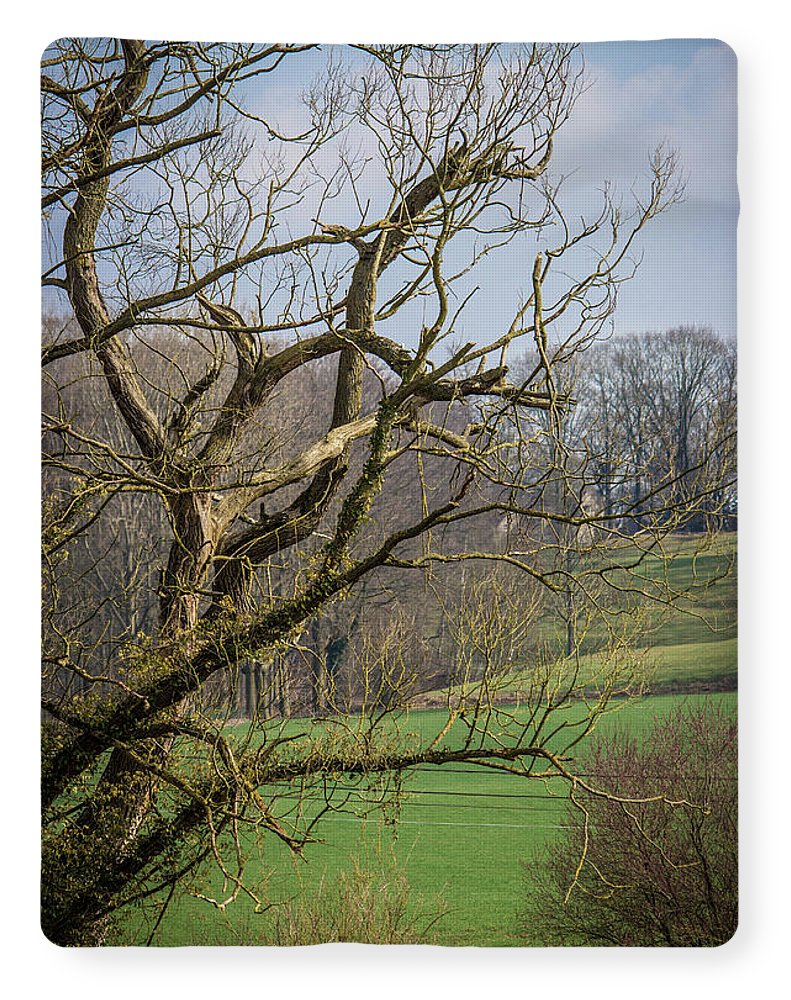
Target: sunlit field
{"points": [[457, 834], [443, 851]]}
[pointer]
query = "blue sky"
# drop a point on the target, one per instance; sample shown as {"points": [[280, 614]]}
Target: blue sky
{"points": [[682, 92], [638, 94], [678, 91]]}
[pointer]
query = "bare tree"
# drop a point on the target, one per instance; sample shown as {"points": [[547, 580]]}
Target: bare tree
{"points": [[216, 266], [660, 409]]}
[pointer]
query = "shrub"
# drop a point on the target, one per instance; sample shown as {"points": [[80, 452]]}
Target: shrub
{"points": [[662, 872], [370, 903]]}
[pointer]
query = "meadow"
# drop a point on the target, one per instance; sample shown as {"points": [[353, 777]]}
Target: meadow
{"points": [[458, 835], [448, 858]]}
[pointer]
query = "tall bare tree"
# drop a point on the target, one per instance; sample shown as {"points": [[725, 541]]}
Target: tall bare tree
{"points": [[212, 254]]}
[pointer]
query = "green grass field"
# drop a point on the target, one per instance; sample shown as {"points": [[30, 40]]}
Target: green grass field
{"points": [[691, 646], [709, 575], [460, 835], [695, 647]]}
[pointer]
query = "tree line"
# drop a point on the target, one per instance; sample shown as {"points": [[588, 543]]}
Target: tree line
{"points": [[654, 408]]}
